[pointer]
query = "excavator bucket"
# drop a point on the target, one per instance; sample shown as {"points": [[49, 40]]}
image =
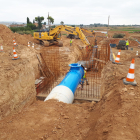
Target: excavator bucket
{"points": [[60, 43]]}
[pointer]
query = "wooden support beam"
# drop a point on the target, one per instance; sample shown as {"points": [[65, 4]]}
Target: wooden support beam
{"points": [[99, 60]]}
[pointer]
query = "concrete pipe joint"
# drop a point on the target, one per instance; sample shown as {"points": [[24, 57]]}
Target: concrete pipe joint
{"points": [[64, 92]]}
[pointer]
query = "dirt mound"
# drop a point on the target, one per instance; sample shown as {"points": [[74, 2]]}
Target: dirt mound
{"points": [[17, 76], [7, 36], [50, 120], [117, 114]]}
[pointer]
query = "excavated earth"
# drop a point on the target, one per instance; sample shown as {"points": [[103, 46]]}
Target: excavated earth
{"points": [[115, 117]]}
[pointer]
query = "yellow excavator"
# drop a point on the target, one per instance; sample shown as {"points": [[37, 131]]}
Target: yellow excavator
{"points": [[53, 36], [92, 32]]}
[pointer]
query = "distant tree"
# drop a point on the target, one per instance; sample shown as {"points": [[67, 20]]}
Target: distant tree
{"points": [[28, 20], [118, 35], [33, 21], [32, 26], [62, 23], [51, 20], [39, 23], [39, 20], [53, 26], [44, 23]]}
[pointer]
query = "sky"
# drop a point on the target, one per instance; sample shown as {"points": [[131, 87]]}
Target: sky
{"points": [[72, 11]]}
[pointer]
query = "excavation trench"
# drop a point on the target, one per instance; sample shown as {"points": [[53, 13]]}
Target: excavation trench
{"points": [[115, 116], [54, 65], [18, 78]]}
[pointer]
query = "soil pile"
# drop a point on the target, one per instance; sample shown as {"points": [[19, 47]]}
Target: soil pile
{"points": [[49, 120], [116, 116], [17, 76], [7, 36]]}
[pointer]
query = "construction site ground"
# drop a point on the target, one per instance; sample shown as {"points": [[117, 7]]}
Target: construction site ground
{"points": [[115, 117]]}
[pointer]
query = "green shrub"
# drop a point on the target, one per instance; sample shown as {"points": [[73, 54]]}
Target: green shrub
{"points": [[118, 35], [53, 26], [20, 32], [27, 32], [14, 29]]}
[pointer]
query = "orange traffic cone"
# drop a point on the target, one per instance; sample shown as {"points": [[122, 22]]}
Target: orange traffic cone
{"points": [[1, 48], [15, 44], [130, 76], [28, 44], [33, 45], [15, 54], [117, 60]]}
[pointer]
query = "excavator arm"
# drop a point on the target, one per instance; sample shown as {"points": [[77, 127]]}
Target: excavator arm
{"points": [[60, 28], [83, 29], [71, 30], [82, 36]]}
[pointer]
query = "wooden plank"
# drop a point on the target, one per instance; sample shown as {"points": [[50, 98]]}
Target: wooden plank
{"points": [[99, 60], [41, 70]]}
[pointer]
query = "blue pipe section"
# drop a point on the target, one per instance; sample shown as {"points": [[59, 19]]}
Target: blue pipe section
{"points": [[73, 77]]}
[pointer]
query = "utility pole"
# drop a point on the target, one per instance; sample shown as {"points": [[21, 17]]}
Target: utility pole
{"points": [[48, 19], [108, 26]]}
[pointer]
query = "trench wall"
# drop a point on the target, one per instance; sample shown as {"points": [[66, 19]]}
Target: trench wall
{"points": [[17, 82], [59, 58]]}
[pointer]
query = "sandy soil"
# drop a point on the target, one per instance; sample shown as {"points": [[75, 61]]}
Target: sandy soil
{"points": [[117, 113], [17, 87], [115, 117]]}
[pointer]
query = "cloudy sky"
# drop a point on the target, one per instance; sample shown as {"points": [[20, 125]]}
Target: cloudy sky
{"points": [[72, 11]]}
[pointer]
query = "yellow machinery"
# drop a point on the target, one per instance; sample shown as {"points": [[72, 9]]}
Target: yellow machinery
{"points": [[92, 32], [52, 36]]}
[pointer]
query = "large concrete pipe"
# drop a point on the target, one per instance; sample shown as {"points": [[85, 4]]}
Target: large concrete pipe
{"points": [[64, 92]]}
